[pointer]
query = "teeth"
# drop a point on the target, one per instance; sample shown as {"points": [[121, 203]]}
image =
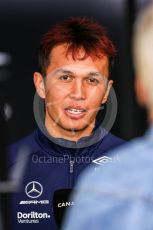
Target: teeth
{"points": [[76, 111]]}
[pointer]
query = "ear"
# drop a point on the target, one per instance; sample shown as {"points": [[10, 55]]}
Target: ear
{"points": [[140, 92], [39, 84], [110, 83]]}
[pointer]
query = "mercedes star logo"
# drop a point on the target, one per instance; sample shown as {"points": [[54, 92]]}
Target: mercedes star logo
{"points": [[33, 189]]}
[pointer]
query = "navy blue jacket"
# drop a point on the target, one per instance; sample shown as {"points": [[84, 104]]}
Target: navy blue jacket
{"points": [[49, 167]]}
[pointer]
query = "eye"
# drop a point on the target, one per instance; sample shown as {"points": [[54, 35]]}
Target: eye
{"points": [[93, 81], [65, 78]]}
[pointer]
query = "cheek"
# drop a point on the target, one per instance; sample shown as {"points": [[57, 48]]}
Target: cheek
{"points": [[56, 94], [95, 96]]}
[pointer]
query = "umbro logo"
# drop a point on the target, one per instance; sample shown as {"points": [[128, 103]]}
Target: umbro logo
{"points": [[102, 160]]}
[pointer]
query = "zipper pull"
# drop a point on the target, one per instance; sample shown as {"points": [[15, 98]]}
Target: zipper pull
{"points": [[71, 166]]}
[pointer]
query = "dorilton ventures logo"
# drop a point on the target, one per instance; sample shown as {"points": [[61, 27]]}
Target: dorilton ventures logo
{"points": [[32, 217], [33, 189]]}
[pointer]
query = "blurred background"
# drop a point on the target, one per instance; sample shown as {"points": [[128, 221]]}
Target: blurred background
{"points": [[22, 24]]}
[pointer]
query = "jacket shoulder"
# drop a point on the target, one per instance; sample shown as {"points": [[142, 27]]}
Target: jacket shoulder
{"points": [[111, 141], [27, 144]]}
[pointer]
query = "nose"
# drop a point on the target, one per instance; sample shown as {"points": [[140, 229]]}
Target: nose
{"points": [[77, 90]]}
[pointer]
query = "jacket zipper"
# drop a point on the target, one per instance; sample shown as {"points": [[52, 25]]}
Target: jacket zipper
{"points": [[71, 172], [71, 166]]}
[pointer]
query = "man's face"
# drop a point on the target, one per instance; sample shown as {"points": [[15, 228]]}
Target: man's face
{"points": [[74, 90]]}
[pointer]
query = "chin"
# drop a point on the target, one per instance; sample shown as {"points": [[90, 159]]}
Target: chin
{"points": [[74, 128]]}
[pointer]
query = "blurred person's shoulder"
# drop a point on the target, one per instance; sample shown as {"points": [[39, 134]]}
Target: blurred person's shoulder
{"points": [[132, 167]]}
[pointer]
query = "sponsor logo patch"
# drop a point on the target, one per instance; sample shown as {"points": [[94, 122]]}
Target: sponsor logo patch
{"points": [[102, 160], [33, 189], [31, 217]]}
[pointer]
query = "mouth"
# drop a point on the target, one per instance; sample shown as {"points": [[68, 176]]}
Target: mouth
{"points": [[75, 112]]}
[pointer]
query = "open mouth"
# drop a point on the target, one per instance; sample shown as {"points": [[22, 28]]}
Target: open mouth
{"points": [[75, 112]]}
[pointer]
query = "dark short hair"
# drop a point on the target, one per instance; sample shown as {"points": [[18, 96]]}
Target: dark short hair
{"points": [[77, 32]]}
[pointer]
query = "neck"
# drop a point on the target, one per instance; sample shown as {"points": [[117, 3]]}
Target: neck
{"points": [[58, 132]]}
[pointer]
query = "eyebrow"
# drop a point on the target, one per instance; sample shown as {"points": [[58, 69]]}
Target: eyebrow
{"points": [[92, 74], [63, 71], [95, 74]]}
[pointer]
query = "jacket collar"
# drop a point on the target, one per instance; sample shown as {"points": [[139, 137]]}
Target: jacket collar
{"points": [[60, 146]]}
